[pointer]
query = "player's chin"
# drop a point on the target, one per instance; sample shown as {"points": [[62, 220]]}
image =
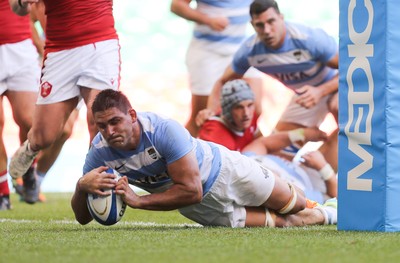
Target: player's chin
{"points": [[246, 124]]}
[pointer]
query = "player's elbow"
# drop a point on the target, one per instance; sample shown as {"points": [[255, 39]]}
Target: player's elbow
{"points": [[19, 10], [81, 213], [198, 197], [195, 195], [83, 219]]}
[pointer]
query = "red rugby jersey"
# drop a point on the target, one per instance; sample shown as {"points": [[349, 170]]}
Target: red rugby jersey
{"points": [[214, 130], [73, 23], [13, 28]]}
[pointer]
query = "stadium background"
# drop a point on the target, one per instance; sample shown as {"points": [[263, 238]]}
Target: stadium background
{"points": [[153, 46]]}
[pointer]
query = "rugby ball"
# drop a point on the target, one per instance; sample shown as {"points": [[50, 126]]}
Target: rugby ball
{"points": [[106, 210]]}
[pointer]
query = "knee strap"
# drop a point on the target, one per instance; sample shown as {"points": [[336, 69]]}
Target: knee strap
{"points": [[292, 201]]}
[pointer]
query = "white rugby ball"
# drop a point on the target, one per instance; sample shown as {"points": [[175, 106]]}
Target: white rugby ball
{"points": [[107, 210]]}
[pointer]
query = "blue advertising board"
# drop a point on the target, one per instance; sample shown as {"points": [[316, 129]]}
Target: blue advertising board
{"points": [[369, 115]]}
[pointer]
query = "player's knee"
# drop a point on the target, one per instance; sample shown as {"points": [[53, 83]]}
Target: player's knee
{"points": [[41, 140], [24, 125]]}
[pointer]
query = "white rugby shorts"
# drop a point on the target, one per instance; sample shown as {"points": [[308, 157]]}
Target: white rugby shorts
{"points": [[205, 67], [242, 182], [312, 117], [19, 67], [95, 66]]}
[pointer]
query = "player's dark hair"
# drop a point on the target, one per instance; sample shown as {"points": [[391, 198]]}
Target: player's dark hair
{"points": [[109, 98], [260, 6]]}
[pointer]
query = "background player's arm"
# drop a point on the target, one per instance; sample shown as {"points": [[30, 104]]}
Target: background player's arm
{"points": [[37, 13], [214, 99], [21, 7], [278, 141], [182, 8], [311, 95], [317, 161], [332, 85]]}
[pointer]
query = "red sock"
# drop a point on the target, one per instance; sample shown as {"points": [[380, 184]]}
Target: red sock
{"points": [[4, 189]]}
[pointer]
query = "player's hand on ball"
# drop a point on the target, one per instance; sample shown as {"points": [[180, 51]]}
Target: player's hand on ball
{"points": [[96, 180], [128, 195]]}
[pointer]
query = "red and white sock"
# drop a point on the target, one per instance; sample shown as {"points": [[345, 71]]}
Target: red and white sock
{"points": [[4, 189]]}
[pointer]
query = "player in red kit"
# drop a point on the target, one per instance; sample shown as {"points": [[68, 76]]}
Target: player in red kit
{"points": [[81, 58], [19, 82]]}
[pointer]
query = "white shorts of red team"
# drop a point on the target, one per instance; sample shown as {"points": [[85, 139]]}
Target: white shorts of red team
{"points": [[206, 66], [242, 182], [19, 67], [95, 66]]}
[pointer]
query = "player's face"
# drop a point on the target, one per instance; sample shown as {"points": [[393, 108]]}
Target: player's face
{"points": [[270, 28], [117, 128], [242, 114]]}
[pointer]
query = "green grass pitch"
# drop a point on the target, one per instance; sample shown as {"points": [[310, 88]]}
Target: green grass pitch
{"points": [[48, 233]]}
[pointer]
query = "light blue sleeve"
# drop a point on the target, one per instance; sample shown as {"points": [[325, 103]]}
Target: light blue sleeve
{"points": [[93, 158], [172, 140], [240, 63], [321, 45]]}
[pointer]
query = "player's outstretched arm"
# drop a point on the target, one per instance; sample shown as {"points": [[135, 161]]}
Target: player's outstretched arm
{"points": [[186, 189]]}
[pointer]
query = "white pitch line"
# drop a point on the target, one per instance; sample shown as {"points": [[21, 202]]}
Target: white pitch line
{"points": [[19, 221], [124, 223]]}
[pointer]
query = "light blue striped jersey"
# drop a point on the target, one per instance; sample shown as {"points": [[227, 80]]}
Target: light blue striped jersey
{"points": [[227, 41], [300, 61], [163, 141]]}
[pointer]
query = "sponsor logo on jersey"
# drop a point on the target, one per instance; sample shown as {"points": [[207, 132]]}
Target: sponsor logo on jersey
{"points": [[120, 166], [152, 153], [297, 55]]}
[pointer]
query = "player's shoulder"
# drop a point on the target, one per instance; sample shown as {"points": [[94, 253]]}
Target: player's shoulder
{"points": [[149, 120], [159, 126], [298, 30], [251, 41], [98, 142]]}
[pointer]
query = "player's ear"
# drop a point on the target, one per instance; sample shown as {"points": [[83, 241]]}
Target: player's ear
{"points": [[133, 115]]}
